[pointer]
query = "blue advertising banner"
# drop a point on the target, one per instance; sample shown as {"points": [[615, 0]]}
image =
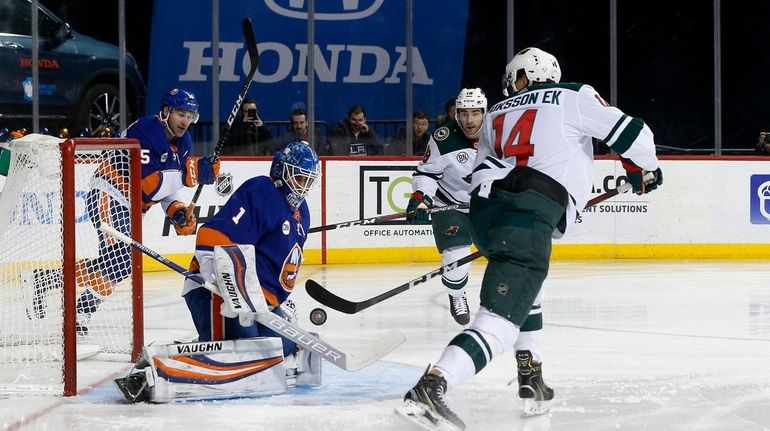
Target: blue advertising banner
{"points": [[360, 55]]}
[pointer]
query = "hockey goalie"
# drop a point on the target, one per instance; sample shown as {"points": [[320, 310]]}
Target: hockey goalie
{"points": [[225, 368]]}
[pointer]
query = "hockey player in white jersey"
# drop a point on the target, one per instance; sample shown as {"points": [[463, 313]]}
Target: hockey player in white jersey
{"points": [[532, 177], [443, 173], [441, 179]]}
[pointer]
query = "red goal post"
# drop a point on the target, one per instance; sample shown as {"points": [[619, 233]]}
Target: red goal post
{"points": [[67, 292]]}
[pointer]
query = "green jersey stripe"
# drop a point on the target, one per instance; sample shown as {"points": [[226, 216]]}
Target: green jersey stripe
{"points": [[628, 136]]}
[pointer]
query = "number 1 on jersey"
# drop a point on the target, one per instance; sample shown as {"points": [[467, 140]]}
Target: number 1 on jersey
{"points": [[522, 148], [238, 216]]}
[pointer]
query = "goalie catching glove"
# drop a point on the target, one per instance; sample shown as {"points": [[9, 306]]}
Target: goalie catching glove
{"points": [[182, 217], [415, 210], [636, 176], [200, 170]]}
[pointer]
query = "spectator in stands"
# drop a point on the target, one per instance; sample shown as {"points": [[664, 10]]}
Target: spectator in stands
{"points": [[451, 112], [249, 136], [420, 137], [763, 146], [353, 137], [298, 131]]}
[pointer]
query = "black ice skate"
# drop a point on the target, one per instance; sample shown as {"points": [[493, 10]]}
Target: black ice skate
{"points": [[425, 406], [458, 306], [532, 389], [36, 285]]}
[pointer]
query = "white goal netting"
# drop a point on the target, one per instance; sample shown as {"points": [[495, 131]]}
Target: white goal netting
{"points": [[33, 270]]}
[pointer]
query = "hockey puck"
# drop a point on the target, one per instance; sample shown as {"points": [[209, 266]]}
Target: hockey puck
{"points": [[318, 316]]}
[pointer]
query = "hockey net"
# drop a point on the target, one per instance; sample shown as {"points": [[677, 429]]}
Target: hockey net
{"points": [[67, 290]]}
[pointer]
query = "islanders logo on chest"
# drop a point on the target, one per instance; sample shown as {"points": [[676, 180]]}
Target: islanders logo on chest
{"points": [[290, 268]]}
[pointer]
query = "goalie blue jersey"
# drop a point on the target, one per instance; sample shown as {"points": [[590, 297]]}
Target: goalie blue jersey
{"points": [[258, 214]]}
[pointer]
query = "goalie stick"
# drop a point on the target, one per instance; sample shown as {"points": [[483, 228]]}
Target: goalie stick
{"points": [[251, 46], [347, 361], [377, 219], [329, 299]]}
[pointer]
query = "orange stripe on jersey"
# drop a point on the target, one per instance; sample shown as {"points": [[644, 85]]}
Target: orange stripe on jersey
{"points": [[113, 175], [270, 298], [95, 280], [194, 265], [208, 237], [151, 183]]}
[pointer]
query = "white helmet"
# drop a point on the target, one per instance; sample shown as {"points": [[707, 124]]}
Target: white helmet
{"points": [[538, 65], [471, 98]]}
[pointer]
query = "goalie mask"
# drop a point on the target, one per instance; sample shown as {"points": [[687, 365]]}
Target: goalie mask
{"points": [[294, 171], [538, 66], [180, 99], [468, 100]]}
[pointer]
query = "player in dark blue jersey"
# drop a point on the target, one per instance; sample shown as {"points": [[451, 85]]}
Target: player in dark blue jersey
{"points": [[271, 214], [268, 216], [166, 169], [166, 163]]}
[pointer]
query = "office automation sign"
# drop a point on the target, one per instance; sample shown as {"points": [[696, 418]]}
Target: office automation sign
{"points": [[360, 55]]}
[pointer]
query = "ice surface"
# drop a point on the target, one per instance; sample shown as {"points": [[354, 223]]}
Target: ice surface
{"points": [[628, 346]]}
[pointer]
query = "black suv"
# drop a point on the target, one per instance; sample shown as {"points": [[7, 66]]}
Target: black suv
{"points": [[78, 74]]}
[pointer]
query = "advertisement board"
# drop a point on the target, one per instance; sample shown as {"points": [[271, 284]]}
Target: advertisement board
{"points": [[360, 55], [706, 208]]}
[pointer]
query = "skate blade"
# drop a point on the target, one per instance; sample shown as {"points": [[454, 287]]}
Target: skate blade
{"points": [[423, 418], [532, 407]]}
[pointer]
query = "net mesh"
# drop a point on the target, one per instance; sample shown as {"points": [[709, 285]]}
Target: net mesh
{"points": [[31, 261]]}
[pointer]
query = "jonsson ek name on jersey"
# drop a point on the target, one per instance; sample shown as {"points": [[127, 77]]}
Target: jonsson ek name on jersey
{"points": [[548, 96]]}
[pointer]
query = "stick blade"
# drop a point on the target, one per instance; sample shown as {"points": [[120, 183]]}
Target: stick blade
{"points": [[375, 352], [251, 42], [320, 294]]}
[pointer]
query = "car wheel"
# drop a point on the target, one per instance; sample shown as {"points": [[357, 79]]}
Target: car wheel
{"points": [[99, 110]]}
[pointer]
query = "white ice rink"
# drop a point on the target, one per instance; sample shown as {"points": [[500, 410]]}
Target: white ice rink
{"points": [[628, 346]]}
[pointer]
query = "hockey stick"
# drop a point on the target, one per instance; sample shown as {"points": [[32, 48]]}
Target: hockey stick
{"points": [[304, 339], [329, 299], [224, 134], [377, 219]]}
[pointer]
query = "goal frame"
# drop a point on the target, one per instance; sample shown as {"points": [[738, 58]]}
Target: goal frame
{"points": [[68, 149]]}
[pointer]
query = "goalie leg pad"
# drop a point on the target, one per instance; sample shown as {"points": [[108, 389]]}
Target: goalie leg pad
{"points": [[213, 370]]}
